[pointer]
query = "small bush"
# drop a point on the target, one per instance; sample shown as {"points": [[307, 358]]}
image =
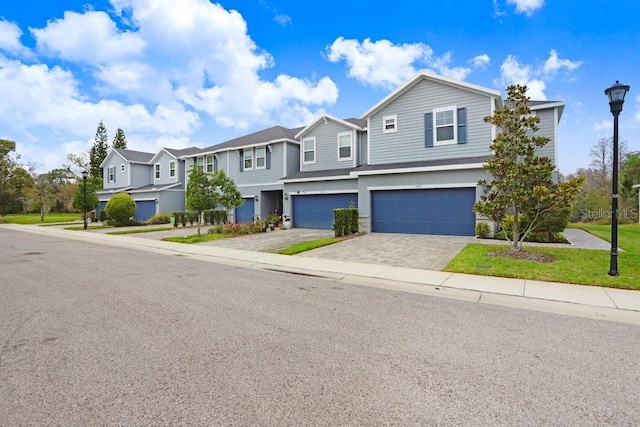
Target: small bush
{"points": [[160, 219], [120, 208], [176, 218], [236, 229], [482, 230], [345, 221], [102, 216]]}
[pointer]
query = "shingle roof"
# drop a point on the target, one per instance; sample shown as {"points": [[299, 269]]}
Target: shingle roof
{"points": [[424, 163], [135, 156], [270, 134], [357, 122], [320, 174], [183, 151]]}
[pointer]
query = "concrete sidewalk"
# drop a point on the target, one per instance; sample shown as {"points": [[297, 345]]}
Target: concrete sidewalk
{"points": [[585, 301]]}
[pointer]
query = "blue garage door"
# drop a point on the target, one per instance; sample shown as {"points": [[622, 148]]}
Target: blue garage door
{"points": [[145, 209], [244, 213], [316, 211], [443, 211]]}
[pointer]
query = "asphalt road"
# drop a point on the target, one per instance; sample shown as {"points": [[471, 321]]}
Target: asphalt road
{"points": [[99, 335]]}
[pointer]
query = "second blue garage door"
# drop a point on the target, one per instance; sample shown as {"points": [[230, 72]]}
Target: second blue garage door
{"points": [[145, 209], [244, 212], [442, 211], [316, 210]]}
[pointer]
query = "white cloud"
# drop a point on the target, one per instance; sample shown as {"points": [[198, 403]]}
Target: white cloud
{"points": [[604, 124], [382, 63], [535, 78], [480, 61], [10, 35], [283, 20], [528, 7]]}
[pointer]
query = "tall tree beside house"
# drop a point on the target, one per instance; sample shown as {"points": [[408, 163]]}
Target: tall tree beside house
{"points": [[42, 194], [8, 163], [201, 193], [98, 151], [521, 182], [230, 196], [120, 141]]}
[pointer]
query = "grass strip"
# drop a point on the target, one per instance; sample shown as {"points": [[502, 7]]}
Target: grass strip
{"points": [[35, 218], [139, 230], [195, 238], [307, 246], [89, 227]]}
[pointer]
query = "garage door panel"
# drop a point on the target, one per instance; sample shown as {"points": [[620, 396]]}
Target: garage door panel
{"points": [[244, 212], [316, 211], [145, 209], [432, 211]]}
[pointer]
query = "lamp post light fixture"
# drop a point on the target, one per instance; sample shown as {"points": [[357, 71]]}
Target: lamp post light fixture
{"points": [[85, 175], [616, 94]]}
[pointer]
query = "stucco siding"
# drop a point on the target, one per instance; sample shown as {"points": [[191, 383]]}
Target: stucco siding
{"points": [[171, 201], [326, 135], [408, 142]]}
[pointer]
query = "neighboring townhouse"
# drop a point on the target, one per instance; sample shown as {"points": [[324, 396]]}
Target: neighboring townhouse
{"points": [[410, 164], [154, 181], [255, 162]]}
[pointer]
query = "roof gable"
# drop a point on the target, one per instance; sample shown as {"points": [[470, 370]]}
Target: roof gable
{"points": [[129, 156], [265, 136], [426, 75], [356, 124]]}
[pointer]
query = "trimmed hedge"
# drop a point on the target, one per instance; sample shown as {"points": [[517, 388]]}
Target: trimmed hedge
{"points": [[345, 221], [160, 218], [211, 216], [120, 208]]}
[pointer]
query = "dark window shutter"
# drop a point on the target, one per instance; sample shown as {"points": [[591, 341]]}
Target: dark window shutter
{"points": [[268, 155], [215, 163], [462, 125], [241, 160], [428, 130], [114, 173]]}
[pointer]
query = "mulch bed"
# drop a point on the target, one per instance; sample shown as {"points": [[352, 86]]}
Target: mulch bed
{"points": [[529, 256]]}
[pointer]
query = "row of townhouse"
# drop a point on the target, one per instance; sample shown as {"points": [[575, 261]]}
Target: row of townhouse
{"points": [[410, 164]]}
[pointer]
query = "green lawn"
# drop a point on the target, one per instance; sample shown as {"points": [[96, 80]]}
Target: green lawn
{"points": [[307, 246], [580, 266], [89, 227], [205, 237], [35, 218], [140, 230]]}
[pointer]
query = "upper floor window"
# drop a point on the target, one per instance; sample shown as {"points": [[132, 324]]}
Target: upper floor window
{"points": [[445, 126], [309, 150], [156, 171], [172, 169], [248, 159], [345, 146], [210, 163], [261, 157], [111, 174], [390, 124], [200, 163]]}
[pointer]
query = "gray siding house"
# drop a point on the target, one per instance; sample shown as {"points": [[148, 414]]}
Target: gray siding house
{"points": [[410, 164]]}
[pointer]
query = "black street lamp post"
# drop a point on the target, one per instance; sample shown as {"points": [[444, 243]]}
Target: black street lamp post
{"points": [[616, 94], [85, 175]]}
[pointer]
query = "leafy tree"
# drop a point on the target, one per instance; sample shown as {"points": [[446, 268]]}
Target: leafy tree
{"points": [[98, 151], [8, 164], [120, 141], [230, 196], [76, 163], [630, 176], [120, 208], [201, 193], [42, 194], [21, 181], [522, 183]]}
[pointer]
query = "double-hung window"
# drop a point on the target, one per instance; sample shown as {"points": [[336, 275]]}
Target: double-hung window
{"points": [[390, 124], [345, 146], [172, 169], [210, 163], [156, 171], [248, 159], [309, 150], [200, 163], [111, 174], [444, 126], [261, 157]]}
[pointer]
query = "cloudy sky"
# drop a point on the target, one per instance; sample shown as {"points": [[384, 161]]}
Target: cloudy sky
{"points": [[195, 73]]}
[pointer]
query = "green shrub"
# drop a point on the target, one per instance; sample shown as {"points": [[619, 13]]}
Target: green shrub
{"points": [[160, 219], [102, 216], [345, 221], [482, 230], [176, 218], [236, 229], [120, 208]]}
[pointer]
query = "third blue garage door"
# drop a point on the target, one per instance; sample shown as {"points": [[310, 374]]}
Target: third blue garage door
{"points": [[443, 211], [316, 210]]}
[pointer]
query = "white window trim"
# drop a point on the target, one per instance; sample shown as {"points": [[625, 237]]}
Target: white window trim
{"points": [[111, 174], [172, 170], [264, 163], [157, 171], [455, 126], [350, 135], [206, 162], [395, 124], [200, 164], [313, 140], [245, 158]]}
